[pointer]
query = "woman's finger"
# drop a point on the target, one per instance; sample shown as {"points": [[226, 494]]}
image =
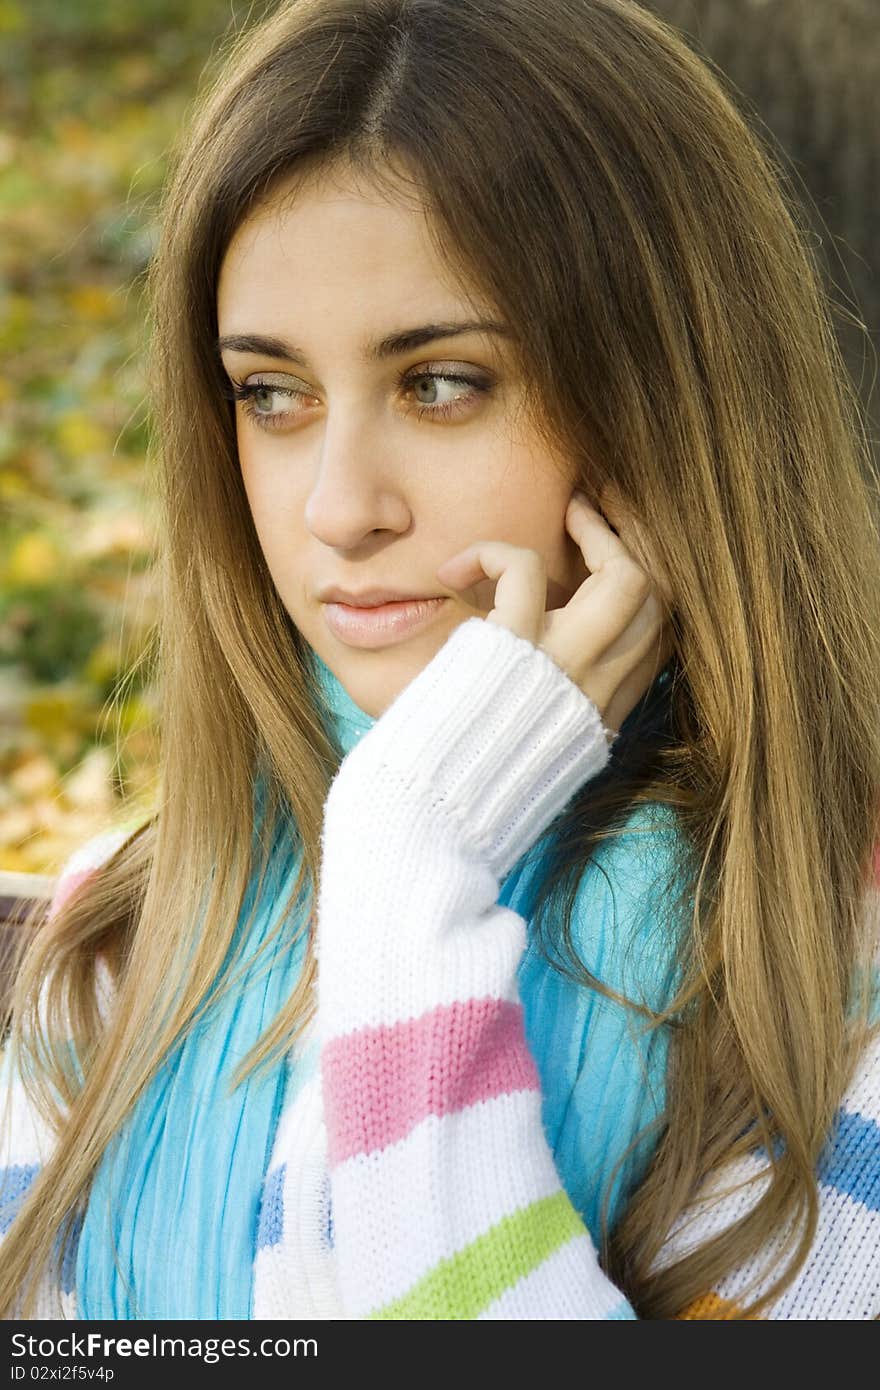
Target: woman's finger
{"points": [[521, 583], [608, 637], [598, 543], [631, 533]]}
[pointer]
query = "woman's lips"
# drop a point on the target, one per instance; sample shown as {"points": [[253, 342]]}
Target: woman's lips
{"points": [[380, 626]]}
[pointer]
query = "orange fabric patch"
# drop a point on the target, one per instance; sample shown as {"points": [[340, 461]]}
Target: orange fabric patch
{"points": [[710, 1306]]}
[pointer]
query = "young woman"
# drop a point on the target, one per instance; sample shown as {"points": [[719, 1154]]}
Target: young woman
{"points": [[503, 944]]}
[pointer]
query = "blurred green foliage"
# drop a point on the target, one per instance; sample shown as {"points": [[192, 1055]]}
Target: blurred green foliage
{"points": [[93, 95]]}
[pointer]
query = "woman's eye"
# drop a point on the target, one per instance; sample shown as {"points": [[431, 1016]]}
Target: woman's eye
{"points": [[431, 394], [258, 398]]}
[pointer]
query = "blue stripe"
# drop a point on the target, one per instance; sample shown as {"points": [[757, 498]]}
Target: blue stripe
{"points": [[271, 1226], [622, 1312], [14, 1183], [326, 1217], [850, 1162], [68, 1264]]}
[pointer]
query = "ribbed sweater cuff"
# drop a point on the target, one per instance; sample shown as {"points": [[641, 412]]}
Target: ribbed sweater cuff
{"points": [[492, 737]]}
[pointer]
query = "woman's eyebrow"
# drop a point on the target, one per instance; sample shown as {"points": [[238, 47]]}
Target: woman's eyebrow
{"points": [[392, 345]]}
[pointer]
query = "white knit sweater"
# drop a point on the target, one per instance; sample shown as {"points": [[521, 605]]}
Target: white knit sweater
{"points": [[410, 1175]]}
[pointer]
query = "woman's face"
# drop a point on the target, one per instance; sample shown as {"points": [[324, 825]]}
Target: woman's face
{"points": [[374, 446]]}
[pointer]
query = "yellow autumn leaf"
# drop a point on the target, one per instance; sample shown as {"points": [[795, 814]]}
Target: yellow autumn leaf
{"points": [[18, 310], [75, 134], [12, 859], [80, 435], [134, 714], [55, 712], [11, 17], [34, 559], [92, 301], [12, 484], [142, 789], [102, 664]]}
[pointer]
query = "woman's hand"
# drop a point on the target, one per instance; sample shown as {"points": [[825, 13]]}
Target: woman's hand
{"points": [[611, 638]]}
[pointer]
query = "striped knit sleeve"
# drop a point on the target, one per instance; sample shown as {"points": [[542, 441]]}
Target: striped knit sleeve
{"points": [[840, 1278], [26, 1142], [446, 1200]]}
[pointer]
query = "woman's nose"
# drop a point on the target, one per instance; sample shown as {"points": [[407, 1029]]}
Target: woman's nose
{"points": [[355, 490]]}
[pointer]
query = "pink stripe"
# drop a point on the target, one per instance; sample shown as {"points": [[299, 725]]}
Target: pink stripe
{"points": [[66, 885], [380, 1082]]}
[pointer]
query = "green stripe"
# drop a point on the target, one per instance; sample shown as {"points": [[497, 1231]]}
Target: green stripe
{"points": [[462, 1285]]}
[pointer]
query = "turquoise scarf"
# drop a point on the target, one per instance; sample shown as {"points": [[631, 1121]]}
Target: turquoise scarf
{"points": [[171, 1225]]}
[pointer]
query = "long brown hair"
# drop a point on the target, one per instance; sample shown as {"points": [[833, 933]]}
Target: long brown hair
{"points": [[583, 166]]}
